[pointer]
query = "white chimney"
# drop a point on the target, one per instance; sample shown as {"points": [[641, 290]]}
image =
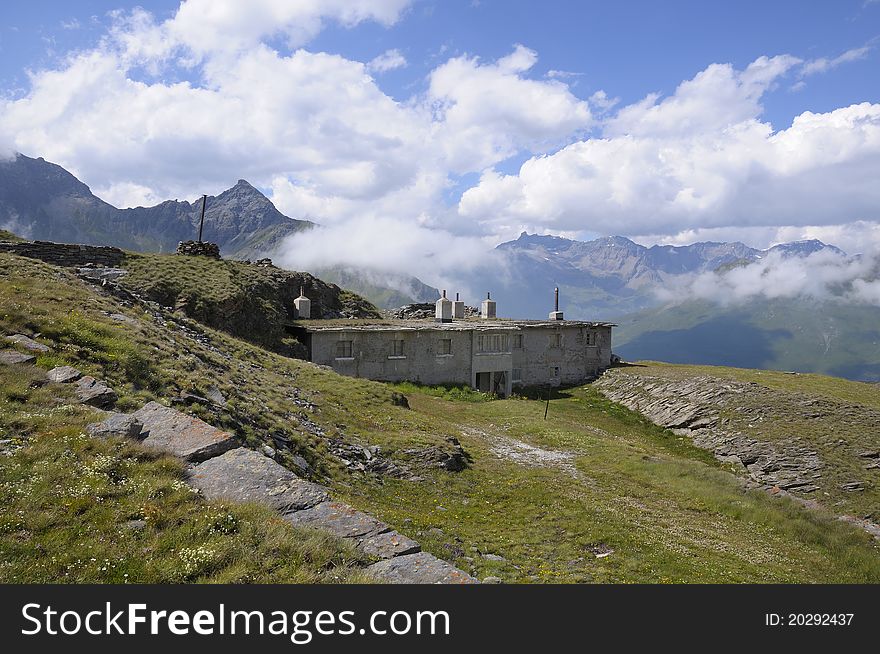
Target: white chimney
{"points": [[443, 309], [303, 306], [458, 309], [487, 308]]}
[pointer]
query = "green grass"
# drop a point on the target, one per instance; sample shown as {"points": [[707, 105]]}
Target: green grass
{"points": [[451, 392], [76, 509], [837, 418], [670, 512]]}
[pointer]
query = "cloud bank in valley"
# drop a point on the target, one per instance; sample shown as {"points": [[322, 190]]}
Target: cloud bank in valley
{"points": [[823, 275], [171, 108]]}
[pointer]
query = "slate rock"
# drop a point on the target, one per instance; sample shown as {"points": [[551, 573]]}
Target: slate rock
{"points": [[339, 519], [243, 475], [64, 374], [27, 343], [177, 433], [12, 358], [95, 393], [419, 568], [118, 425], [388, 545]]}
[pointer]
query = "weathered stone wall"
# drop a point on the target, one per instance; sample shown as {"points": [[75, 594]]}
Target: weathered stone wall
{"points": [[372, 354], [65, 254], [373, 358], [202, 249], [577, 361]]}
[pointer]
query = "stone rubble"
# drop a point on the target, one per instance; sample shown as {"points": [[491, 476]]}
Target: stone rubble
{"points": [[13, 358], [63, 374], [94, 392]]}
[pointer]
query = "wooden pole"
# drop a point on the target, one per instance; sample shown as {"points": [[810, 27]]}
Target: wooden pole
{"points": [[202, 221]]}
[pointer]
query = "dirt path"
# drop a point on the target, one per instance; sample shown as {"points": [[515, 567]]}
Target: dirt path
{"points": [[505, 447]]}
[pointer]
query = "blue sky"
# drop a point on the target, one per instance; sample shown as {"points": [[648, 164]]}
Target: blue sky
{"points": [[663, 121], [628, 48]]}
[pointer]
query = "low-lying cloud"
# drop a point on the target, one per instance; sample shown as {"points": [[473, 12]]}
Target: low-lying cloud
{"points": [[823, 275]]}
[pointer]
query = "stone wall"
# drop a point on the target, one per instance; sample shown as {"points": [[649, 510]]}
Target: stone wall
{"points": [[583, 353], [202, 249], [576, 357], [65, 254]]}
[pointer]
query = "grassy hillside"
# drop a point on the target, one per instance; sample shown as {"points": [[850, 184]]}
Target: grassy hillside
{"points": [[829, 338], [593, 494], [251, 302]]}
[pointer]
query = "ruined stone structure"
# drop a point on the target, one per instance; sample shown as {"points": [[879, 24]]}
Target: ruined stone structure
{"points": [[65, 254], [487, 353], [199, 249]]}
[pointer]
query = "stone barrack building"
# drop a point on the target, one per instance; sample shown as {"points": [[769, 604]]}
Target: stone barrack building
{"points": [[489, 354]]}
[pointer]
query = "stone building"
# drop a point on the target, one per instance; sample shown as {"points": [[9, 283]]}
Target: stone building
{"points": [[489, 354]]}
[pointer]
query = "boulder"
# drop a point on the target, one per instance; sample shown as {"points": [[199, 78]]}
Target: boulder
{"points": [[95, 393], [339, 519], [118, 425], [27, 343], [177, 433], [388, 545], [12, 358], [243, 475], [64, 374], [419, 568]]}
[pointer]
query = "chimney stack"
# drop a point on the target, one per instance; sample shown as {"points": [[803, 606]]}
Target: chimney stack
{"points": [[487, 308], [443, 309], [303, 305], [556, 314], [458, 309]]}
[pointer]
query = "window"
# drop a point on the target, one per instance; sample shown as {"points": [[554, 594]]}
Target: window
{"points": [[556, 340], [554, 372], [397, 348], [493, 343], [343, 349], [517, 342], [591, 338], [516, 374], [444, 346]]}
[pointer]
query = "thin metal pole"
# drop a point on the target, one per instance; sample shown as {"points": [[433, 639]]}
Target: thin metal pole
{"points": [[547, 406], [202, 221]]}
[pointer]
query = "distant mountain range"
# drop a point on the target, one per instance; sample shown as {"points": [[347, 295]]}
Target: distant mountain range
{"points": [[41, 200], [616, 279], [609, 278]]}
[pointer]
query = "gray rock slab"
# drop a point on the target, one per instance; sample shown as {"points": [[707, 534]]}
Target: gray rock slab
{"points": [[27, 343], [339, 519], [63, 374], [13, 358], [95, 393], [388, 545], [171, 431], [119, 425], [419, 568], [243, 475]]}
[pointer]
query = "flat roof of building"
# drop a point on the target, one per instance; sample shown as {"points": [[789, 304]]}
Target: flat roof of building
{"points": [[427, 324]]}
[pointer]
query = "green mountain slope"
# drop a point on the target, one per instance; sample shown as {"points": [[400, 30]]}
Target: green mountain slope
{"points": [[784, 334], [594, 493]]}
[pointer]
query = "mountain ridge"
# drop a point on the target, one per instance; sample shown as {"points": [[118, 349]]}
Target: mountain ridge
{"points": [[42, 200]]}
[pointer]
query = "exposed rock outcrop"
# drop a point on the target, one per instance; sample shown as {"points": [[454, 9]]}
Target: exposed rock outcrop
{"points": [[182, 435], [95, 393]]}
